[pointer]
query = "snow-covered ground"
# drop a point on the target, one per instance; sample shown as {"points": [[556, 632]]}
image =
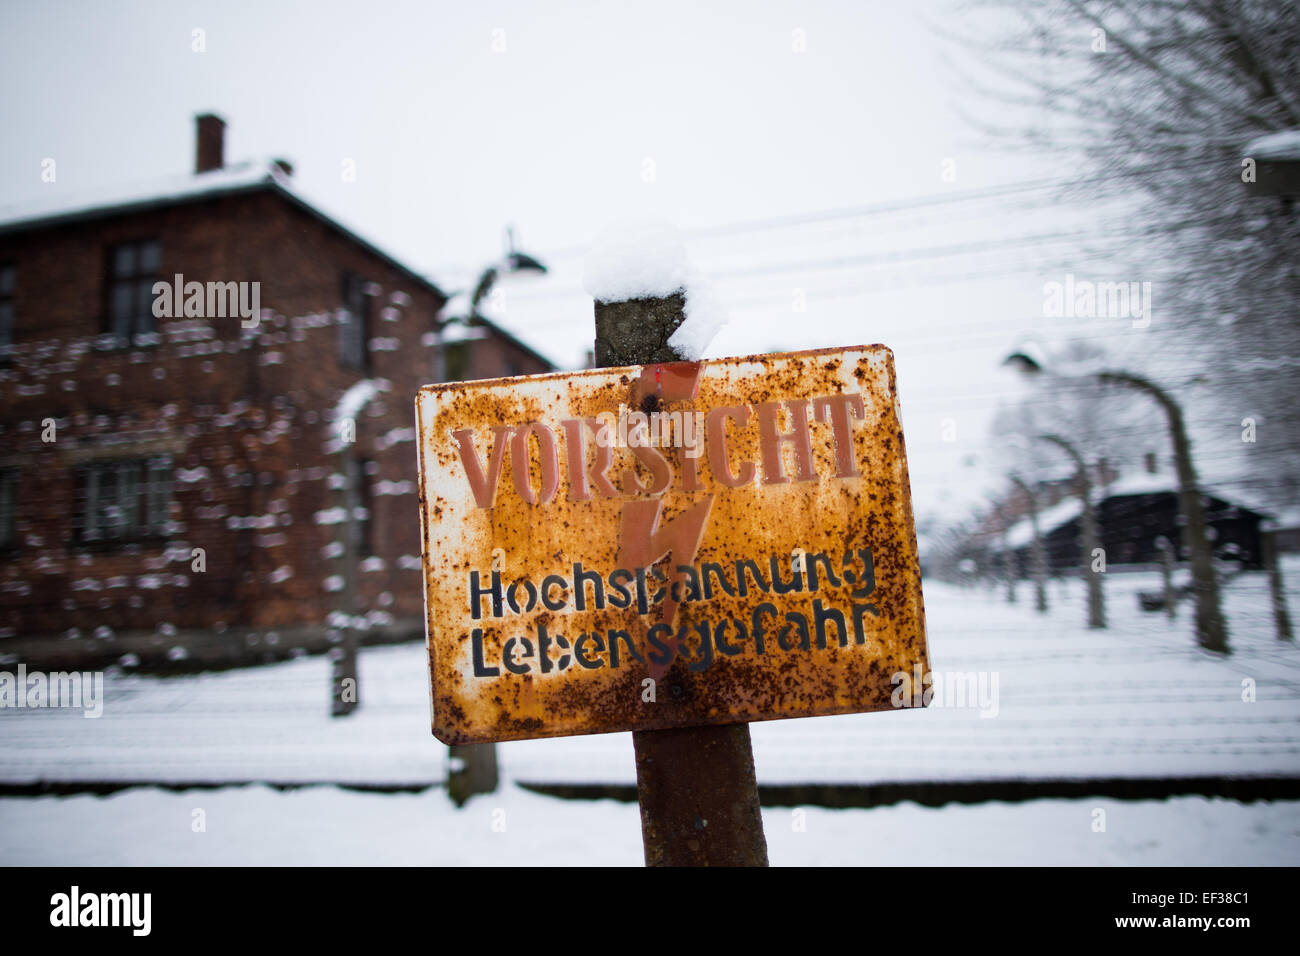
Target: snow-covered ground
{"points": [[1137, 700], [255, 825]]}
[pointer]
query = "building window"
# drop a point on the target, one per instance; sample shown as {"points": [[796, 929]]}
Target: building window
{"points": [[361, 475], [8, 279], [354, 324], [126, 499], [132, 271], [8, 510]]}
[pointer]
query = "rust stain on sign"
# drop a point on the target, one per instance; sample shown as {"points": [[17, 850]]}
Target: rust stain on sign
{"points": [[667, 545]]}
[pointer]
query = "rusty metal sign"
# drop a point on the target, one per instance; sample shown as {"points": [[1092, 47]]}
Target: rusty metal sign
{"points": [[667, 545]]}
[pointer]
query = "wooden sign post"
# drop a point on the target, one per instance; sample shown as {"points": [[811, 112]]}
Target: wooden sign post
{"points": [[696, 786]]}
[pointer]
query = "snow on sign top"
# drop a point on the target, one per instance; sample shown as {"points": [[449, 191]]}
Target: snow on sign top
{"points": [[668, 545], [635, 261], [648, 260]]}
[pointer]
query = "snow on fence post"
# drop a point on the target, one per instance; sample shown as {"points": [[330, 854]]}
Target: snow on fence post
{"points": [[345, 690], [344, 673], [696, 785]]}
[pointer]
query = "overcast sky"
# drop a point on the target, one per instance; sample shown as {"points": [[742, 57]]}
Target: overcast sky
{"points": [[563, 118]]}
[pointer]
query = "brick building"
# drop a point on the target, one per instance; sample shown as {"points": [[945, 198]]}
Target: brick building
{"points": [[173, 467]]}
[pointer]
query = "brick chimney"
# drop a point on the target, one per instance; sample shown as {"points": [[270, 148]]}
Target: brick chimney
{"points": [[211, 143]]}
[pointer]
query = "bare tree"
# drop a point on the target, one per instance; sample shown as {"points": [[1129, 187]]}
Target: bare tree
{"points": [[1155, 102]]}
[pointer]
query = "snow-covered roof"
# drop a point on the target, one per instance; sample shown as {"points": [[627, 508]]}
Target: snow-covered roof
{"points": [[120, 199], [1021, 533], [458, 303], [126, 197], [141, 196], [1141, 483], [1284, 145], [1049, 519], [460, 332], [1144, 483], [493, 315]]}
